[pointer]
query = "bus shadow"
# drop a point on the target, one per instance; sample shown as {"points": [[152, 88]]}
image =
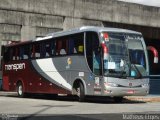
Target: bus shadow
{"points": [[110, 100], [89, 99]]}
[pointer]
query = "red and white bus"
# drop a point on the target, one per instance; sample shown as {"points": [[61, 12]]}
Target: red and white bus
{"points": [[84, 61]]}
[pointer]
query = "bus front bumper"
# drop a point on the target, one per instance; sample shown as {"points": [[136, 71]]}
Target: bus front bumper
{"points": [[121, 91]]}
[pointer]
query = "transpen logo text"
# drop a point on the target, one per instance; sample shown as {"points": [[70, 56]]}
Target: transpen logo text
{"points": [[15, 67]]}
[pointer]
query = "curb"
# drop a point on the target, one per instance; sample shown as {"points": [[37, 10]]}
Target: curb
{"points": [[144, 98], [3, 93]]}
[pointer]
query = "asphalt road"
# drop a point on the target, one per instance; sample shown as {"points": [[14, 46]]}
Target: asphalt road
{"points": [[67, 108]]}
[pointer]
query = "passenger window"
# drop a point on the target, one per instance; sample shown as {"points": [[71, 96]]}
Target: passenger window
{"points": [[8, 54], [26, 54], [49, 49], [35, 51], [71, 46], [62, 46], [21, 53], [28, 51], [42, 50], [15, 53], [59, 46], [76, 44], [52, 48]]}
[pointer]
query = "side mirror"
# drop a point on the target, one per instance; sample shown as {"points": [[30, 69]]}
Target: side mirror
{"points": [[155, 53]]}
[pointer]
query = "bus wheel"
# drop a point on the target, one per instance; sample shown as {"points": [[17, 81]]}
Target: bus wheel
{"points": [[20, 90], [118, 99], [80, 92]]}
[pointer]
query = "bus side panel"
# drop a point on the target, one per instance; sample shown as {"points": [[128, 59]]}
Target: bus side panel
{"points": [[50, 80], [76, 69], [43, 75], [6, 83]]}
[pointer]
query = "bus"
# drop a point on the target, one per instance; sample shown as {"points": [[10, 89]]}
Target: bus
{"points": [[85, 61]]}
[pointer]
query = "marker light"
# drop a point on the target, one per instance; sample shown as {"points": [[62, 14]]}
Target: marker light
{"points": [[105, 50], [105, 36]]}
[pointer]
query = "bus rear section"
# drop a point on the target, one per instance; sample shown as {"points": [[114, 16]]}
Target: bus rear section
{"points": [[26, 71]]}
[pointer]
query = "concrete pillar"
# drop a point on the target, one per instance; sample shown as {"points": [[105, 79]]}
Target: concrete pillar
{"points": [[28, 33]]}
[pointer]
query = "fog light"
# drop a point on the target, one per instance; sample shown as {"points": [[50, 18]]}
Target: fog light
{"points": [[108, 91]]}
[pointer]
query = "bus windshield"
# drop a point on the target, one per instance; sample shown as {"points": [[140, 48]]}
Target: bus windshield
{"points": [[126, 56], [136, 55]]}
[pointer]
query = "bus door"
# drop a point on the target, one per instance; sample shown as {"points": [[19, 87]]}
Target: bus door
{"points": [[97, 65], [93, 55]]}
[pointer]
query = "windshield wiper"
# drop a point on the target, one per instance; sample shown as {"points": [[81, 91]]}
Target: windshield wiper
{"points": [[119, 74]]}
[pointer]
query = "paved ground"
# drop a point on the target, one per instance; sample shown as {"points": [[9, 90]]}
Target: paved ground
{"points": [[68, 108], [148, 98]]}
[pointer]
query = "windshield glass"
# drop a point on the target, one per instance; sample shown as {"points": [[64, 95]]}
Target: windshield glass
{"points": [[125, 56]]}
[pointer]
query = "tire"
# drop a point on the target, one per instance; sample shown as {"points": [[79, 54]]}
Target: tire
{"points": [[118, 99], [20, 90], [81, 93]]}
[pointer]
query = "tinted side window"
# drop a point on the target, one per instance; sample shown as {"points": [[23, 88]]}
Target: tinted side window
{"points": [[71, 44], [93, 52], [61, 46], [76, 44], [7, 56], [50, 48]]}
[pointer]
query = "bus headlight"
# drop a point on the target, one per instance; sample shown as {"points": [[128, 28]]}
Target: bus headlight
{"points": [[145, 85], [110, 84]]}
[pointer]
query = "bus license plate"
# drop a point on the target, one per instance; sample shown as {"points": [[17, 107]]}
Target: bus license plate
{"points": [[130, 91]]}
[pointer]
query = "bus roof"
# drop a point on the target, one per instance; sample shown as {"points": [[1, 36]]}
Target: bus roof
{"points": [[86, 28], [76, 30], [18, 43]]}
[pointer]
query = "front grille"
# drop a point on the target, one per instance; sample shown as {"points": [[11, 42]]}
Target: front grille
{"points": [[130, 86]]}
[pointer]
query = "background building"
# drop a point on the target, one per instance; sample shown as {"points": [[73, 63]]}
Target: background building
{"points": [[28, 19]]}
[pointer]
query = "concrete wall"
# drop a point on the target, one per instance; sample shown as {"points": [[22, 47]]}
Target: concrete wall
{"points": [[26, 19]]}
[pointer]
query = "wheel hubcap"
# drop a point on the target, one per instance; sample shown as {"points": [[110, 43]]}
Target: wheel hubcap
{"points": [[78, 92], [20, 90]]}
